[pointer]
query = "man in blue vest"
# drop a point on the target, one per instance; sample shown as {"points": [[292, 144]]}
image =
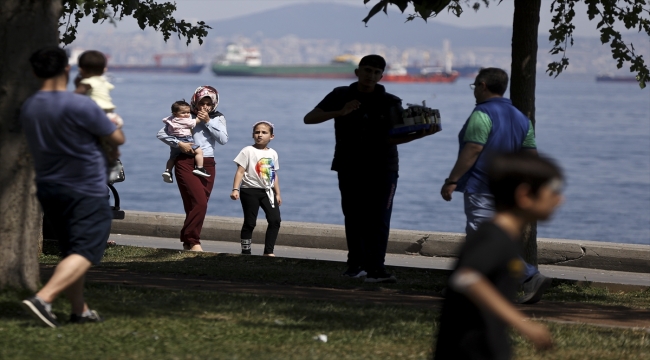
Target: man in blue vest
{"points": [[494, 127]]}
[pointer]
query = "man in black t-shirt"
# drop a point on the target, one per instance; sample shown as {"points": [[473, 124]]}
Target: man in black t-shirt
{"points": [[367, 163], [476, 311]]}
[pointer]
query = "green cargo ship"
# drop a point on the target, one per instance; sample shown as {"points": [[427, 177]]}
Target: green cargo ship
{"points": [[239, 61]]}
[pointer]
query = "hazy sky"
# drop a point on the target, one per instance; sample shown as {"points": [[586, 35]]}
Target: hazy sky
{"points": [[494, 15], [501, 14]]}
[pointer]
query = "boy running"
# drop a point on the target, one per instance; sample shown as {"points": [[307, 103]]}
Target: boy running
{"points": [[477, 309]]}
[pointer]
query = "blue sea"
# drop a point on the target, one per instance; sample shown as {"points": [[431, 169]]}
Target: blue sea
{"points": [[598, 132]]}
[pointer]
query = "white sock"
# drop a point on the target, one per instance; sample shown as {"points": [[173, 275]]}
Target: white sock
{"points": [[48, 306], [246, 244]]}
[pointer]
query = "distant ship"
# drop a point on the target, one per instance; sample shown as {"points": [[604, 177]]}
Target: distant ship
{"points": [[398, 73], [240, 61], [158, 67], [469, 71], [612, 78]]}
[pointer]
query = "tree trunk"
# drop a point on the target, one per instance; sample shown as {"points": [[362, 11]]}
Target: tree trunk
{"points": [[522, 84], [25, 26]]}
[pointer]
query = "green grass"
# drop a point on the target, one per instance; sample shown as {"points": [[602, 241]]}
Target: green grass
{"points": [[199, 325], [319, 273], [580, 342], [159, 324], [170, 324]]}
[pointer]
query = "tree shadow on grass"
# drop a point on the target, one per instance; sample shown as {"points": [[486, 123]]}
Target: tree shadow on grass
{"points": [[11, 310], [284, 271], [250, 310]]}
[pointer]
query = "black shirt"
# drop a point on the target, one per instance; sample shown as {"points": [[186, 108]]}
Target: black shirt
{"points": [[466, 332], [362, 136]]}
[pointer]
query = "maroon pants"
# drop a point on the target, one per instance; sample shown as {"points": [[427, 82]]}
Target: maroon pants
{"points": [[195, 192]]}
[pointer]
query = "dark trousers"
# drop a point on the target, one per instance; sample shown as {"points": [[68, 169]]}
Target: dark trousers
{"points": [[80, 222], [195, 192], [251, 201], [367, 204]]}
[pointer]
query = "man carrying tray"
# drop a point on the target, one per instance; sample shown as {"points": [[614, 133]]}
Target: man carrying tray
{"points": [[366, 160], [494, 127]]}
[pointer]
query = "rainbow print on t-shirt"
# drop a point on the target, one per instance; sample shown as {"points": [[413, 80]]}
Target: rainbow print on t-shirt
{"points": [[265, 169]]}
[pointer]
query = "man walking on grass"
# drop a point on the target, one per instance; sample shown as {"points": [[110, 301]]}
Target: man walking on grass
{"points": [[494, 127], [63, 132]]}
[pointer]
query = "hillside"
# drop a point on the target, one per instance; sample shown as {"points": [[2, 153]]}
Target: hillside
{"points": [[343, 22], [317, 32]]}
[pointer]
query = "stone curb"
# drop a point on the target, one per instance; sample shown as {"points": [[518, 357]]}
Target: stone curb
{"points": [[577, 253]]}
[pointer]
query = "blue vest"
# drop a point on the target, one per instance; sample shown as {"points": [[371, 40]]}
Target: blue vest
{"points": [[509, 129]]}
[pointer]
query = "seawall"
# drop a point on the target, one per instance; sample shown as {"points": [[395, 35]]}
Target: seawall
{"points": [[564, 252]]}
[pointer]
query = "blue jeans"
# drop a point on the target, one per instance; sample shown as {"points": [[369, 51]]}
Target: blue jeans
{"points": [[480, 208]]}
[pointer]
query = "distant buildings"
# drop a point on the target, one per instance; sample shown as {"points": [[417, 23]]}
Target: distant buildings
{"points": [[588, 56]]}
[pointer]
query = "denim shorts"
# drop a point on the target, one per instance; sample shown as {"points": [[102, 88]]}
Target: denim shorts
{"points": [[80, 222]]}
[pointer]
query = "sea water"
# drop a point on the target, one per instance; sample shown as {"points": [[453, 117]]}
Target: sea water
{"points": [[598, 132]]}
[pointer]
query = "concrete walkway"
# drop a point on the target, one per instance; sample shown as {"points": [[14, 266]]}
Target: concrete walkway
{"points": [[558, 252], [614, 280]]}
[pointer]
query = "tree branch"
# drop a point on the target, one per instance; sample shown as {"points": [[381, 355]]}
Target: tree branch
{"points": [[148, 13], [630, 16]]}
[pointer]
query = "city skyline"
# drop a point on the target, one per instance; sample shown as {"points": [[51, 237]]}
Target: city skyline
{"points": [[217, 10]]}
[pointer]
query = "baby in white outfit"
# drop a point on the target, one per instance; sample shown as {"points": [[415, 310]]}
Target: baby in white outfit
{"points": [[92, 83]]}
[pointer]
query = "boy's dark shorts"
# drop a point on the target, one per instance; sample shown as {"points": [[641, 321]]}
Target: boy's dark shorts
{"points": [[80, 222]]}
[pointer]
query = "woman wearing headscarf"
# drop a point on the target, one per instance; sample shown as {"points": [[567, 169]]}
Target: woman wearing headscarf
{"points": [[195, 190]]}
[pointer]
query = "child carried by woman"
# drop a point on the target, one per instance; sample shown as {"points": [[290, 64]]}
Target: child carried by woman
{"points": [[179, 125]]}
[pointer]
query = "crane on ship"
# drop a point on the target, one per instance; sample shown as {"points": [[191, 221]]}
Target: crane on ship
{"points": [[157, 58]]}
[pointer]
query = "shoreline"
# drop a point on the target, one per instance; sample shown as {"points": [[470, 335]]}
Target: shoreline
{"points": [[564, 252]]}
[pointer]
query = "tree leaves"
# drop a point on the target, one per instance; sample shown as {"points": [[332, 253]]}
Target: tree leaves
{"points": [[147, 13], [629, 13], [375, 9], [425, 9], [632, 14]]}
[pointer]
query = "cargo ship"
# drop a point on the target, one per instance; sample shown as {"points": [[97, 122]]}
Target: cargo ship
{"points": [[612, 78], [398, 73], [469, 71], [240, 61], [158, 67]]}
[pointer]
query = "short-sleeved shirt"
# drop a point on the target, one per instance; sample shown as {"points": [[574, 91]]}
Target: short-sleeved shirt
{"points": [[466, 332], [62, 131], [362, 136], [99, 91], [479, 127], [260, 167]]}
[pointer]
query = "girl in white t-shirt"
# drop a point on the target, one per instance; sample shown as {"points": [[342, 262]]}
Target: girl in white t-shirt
{"points": [[257, 167]]}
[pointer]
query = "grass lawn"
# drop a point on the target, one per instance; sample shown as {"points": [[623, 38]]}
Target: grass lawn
{"points": [[145, 324], [168, 324], [319, 273]]}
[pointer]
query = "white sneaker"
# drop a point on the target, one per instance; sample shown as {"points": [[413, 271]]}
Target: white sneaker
{"points": [[200, 172], [167, 177]]}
